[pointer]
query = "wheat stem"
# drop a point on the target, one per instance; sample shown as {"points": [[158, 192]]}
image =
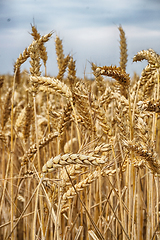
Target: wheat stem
{"points": [[12, 147]]}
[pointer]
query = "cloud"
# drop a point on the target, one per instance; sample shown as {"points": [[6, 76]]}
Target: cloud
{"points": [[89, 29]]}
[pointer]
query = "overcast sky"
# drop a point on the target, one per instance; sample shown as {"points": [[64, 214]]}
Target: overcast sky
{"points": [[89, 29]]}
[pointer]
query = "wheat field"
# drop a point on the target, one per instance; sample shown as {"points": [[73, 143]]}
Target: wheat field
{"points": [[80, 158]]}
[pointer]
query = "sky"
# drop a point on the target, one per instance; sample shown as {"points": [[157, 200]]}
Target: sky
{"points": [[88, 29]]}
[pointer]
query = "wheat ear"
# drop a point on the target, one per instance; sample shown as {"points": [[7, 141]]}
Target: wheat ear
{"points": [[66, 159], [33, 149], [123, 49], [53, 83]]}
